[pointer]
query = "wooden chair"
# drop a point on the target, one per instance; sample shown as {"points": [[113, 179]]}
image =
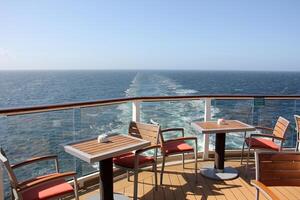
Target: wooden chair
{"points": [[266, 141], [276, 169], [134, 161], [50, 186], [297, 121], [176, 146]]}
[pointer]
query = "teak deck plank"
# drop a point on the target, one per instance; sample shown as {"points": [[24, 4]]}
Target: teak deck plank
{"points": [[168, 188], [211, 127], [180, 184], [147, 188]]}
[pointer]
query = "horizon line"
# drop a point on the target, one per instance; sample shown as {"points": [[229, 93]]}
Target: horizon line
{"points": [[220, 70]]}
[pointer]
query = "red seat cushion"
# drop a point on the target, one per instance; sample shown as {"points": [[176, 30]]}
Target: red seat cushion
{"points": [[174, 147], [127, 160], [262, 143], [48, 190]]}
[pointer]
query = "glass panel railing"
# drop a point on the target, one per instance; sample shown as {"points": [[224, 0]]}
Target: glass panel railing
{"points": [[93, 121], [175, 114], [258, 112], [31, 135], [267, 112], [38, 134], [241, 110]]}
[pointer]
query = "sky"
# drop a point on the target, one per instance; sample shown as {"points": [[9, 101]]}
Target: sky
{"points": [[150, 34]]}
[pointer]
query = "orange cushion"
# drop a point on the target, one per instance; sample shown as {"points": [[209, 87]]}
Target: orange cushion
{"points": [[48, 190], [127, 160], [262, 143], [174, 147]]}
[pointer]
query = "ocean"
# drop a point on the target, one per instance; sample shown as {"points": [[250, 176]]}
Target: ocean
{"points": [[37, 134]]}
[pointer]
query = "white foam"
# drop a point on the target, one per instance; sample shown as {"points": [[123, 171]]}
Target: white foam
{"points": [[186, 91], [169, 114]]}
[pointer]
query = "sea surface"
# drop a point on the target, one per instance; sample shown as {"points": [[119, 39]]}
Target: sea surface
{"points": [[25, 136]]}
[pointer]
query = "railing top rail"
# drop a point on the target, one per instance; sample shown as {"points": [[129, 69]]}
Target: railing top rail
{"points": [[66, 106]]}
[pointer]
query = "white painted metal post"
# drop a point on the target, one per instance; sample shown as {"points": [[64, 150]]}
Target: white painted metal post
{"points": [[1, 184], [136, 108], [207, 117]]}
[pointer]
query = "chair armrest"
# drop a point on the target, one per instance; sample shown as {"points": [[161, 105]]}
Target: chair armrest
{"points": [[266, 135], [264, 189], [37, 182], [33, 160], [147, 149], [264, 128], [182, 139]]}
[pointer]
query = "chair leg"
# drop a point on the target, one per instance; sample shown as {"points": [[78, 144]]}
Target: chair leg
{"points": [[257, 194], [297, 145], [155, 175], [128, 175], [76, 189], [196, 166], [242, 154], [135, 189], [162, 169], [248, 155], [14, 194], [182, 160]]}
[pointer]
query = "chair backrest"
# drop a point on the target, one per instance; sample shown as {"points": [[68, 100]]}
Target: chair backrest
{"points": [[281, 127], [297, 121], [12, 177], [278, 168], [149, 132]]}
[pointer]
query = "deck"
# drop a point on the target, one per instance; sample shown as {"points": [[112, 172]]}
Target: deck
{"points": [[180, 184]]}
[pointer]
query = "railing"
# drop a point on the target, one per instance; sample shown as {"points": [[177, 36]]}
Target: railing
{"points": [[141, 109]]}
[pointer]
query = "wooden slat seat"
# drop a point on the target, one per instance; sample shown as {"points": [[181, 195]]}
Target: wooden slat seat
{"points": [[175, 146], [276, 169], [133, 161], [266, 141]]}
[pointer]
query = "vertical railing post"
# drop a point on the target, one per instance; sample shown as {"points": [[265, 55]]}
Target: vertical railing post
{"points": [[136, 111], [3, 129], [207, 117], [1, 183]]}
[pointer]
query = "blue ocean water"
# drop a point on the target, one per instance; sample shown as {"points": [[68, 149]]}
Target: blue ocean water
{"points": [[44, 133], [25, 88]]}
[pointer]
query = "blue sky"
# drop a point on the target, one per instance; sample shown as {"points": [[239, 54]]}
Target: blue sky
{"points": [[150, 34]]}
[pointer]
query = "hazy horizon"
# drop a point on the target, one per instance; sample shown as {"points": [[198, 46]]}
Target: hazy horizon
{"points": [[204, 70]]}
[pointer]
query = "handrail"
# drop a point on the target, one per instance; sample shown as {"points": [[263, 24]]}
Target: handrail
{"points": [[65, 106]]}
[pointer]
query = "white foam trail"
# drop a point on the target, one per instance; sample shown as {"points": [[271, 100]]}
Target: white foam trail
{"points": [[186, 91], [168, 114]]}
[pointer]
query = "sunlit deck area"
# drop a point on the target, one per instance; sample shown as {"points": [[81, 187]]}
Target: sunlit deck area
{"points": [[180, 184]]}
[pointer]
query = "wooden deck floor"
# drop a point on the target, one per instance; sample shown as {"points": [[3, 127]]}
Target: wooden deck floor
{"points": [[180, 184]]}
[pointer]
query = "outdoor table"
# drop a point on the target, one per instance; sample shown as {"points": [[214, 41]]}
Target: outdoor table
{"points": [[91, 151], [219, 172]]}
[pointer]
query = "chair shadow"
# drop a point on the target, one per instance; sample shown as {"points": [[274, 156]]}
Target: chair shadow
{"points": [[204, 188], [183, 184]]}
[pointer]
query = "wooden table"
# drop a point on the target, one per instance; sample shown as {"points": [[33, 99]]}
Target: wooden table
{"points": [[219, 172], [91, 151]]}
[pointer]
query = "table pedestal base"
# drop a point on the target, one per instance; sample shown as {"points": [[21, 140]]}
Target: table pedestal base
{"points": [[227, 174], [116, 197]]}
